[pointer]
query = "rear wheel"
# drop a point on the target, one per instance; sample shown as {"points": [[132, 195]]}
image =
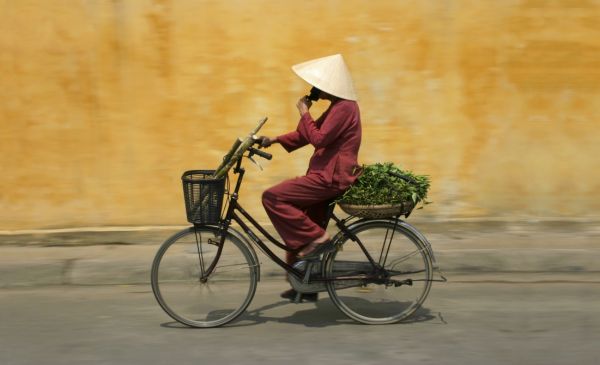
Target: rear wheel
{"points": [[384, 277], [187, 294]]}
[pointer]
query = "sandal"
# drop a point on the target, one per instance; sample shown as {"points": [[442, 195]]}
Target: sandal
{"points": [[315, 250]]}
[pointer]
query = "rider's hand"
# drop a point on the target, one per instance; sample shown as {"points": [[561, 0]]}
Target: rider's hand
{"points": [[266, 141], [303, 105]]}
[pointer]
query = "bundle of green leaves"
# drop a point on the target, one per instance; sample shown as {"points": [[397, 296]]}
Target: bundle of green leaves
{"points": [[377, 186]]}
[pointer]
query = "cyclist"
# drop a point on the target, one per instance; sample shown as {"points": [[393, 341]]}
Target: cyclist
{"points": [[297, 206]]}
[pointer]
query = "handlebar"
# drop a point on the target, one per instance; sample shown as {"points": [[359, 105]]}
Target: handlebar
{"points": [[263, 154]]}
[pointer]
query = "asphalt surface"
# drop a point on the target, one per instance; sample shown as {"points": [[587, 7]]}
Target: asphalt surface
{"points": [[491, 322], [518, 293]]}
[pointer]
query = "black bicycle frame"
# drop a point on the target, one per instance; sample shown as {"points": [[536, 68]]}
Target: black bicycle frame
{"points": [[231, 215]]}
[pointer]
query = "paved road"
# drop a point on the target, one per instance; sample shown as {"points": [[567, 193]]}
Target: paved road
{"points": [[492, 322]]}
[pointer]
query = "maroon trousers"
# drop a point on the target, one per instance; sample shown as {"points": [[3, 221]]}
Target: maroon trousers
{"points": [[297, 208]]}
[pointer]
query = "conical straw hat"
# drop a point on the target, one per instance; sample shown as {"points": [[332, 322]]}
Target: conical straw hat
{"points": [[329, 74]]}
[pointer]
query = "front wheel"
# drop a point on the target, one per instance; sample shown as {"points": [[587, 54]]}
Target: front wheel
{"points": [[382, 277], [187, 293]]}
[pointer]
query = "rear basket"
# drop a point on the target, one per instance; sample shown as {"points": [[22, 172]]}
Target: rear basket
{"points": [[378, 211], [203, 196]]}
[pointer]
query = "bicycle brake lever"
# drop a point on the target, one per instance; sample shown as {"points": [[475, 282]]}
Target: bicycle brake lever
{"points": [[255, 162]]}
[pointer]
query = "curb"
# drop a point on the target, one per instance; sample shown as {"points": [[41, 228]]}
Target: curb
{"points": [[124, 257], [130, 270]]}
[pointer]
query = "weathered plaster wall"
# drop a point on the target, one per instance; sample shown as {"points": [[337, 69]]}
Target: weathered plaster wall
{"points": [[103, 104]]}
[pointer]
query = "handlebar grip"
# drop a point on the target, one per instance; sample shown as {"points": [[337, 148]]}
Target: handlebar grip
{"points": [[403, 177], [260, 153]]}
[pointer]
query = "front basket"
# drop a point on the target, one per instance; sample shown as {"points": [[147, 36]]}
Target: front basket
{"points": [[203, 196]]}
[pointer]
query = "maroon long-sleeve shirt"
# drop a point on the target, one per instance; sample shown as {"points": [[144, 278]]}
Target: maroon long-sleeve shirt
{"points": [[336, 136]]}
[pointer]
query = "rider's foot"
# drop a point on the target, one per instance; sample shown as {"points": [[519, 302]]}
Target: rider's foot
{"points": [[315, 249], [304, 297]]}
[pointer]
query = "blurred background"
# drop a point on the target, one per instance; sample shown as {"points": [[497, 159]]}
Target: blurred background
{"points": [[104, 104]]}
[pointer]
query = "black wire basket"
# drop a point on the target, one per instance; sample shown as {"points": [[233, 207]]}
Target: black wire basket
{"points": [[203, 196]]}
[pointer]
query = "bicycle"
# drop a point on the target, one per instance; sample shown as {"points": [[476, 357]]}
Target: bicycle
{"points": [[206, 275]]}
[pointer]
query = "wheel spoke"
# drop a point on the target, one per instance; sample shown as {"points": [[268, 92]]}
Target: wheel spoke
{"points": [[233, 267], [404, 258], [398, 273]]}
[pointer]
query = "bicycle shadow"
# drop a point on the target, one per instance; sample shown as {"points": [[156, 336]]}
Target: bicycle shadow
{"points": [[323, 314]]}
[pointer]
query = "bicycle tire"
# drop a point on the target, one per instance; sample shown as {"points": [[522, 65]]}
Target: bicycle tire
{"points": [[176, 277], [357, 289]]}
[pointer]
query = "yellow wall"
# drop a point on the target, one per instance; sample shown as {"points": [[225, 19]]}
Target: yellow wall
{"points": [[103, 103]]}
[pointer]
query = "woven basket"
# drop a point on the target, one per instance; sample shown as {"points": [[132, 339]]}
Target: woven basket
{"points": [[378, 211], [203, 196]]}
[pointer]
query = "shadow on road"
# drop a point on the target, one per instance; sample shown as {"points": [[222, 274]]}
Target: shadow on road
{"points": [[324, 314]]}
